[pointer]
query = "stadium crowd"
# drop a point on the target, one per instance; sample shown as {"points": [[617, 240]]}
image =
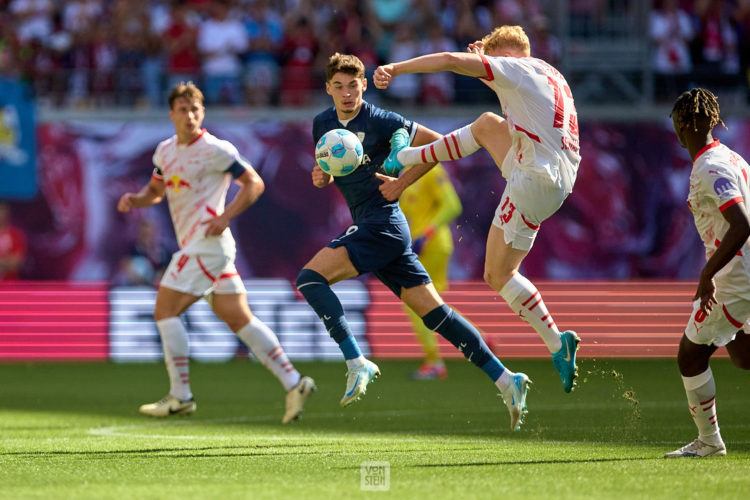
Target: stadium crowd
{"points": [[86, 53]]}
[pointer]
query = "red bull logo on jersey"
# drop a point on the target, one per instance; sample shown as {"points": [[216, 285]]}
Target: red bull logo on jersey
{"points": [[176, 183]]}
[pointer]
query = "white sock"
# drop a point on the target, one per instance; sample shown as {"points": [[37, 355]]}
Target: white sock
{"points": [[174, 341], [526, 301], [504, 380], [453, 146], [355, 362], [264, 345], [701, 396]]}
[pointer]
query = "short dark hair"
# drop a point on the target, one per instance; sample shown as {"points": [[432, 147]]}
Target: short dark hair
{"points": [[697, 105], [188, 90], [344, 63]]}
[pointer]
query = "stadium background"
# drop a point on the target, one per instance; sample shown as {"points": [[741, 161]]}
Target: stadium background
{"points": [[82, 99]]}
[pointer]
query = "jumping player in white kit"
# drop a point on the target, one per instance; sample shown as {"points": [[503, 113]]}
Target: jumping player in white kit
{"points": [[718, 197], [536, 146], [195, 169]]}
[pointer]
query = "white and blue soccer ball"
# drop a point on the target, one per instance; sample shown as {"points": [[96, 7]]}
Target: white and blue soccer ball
{"points": [[339, 152]]}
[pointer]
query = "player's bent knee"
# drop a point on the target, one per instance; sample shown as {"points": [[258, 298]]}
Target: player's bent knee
{"points": [[307, 277], [742, 362], [496, 280]]}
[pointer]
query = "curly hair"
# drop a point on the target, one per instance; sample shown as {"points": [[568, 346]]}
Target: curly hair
{"points": [[697, 105], [512, 37]]}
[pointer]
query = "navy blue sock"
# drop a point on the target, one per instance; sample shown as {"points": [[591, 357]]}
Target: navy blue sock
{"points": [[465, 337], [314, 287]]}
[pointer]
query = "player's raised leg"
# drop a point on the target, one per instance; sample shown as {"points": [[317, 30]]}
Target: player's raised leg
{"points": [[700, 388], [501, 273], [329, 266], [174, 339], [437, 316], [233, 309]]}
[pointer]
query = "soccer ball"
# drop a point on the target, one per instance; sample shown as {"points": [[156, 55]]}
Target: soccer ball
{"points": [[338, 152]]}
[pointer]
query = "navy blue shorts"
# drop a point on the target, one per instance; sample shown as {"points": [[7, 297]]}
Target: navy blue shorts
{"points": [[384, 250]]}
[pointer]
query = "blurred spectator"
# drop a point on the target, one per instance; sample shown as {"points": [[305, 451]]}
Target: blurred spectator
{"points": [[103, 60], [221, 40], [544, 45], [405, 45], [180, 42], [298, 55], [12, 246], [671, 31], [265, 31], [132, 26], [716, 45], [742, 21], [146, 258], [437, 88], [33, 19], [9, 47]]}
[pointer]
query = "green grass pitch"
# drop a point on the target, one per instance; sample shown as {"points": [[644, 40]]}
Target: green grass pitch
{"points": [[73, 431]]}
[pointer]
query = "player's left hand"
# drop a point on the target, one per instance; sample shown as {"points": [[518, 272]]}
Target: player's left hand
{"points": [[706, 293], [216, 225], [391, 188], [383, 76]]}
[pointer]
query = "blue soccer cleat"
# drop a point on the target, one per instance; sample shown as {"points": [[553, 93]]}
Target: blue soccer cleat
{"points": [[399, 140], [357, 380], [565, 359], [515, 399]]}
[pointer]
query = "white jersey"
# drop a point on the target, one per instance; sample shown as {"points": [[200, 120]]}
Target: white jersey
{"points": [[539, 107], [719, 179], [197, 177]]}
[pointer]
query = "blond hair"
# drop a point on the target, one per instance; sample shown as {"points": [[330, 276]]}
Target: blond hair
{"points": [[187, 90], [507, 37], [344, 63]]}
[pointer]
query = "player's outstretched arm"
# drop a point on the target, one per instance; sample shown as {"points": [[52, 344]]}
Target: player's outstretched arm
{"points": [[320, 179], [469, 64], [150, 194], [735, 237]]}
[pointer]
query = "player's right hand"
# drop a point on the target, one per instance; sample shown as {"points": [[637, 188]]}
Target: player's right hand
{"points": [[125, 203], [383, 76], [476, 47], [391, 188], [319, 178]]}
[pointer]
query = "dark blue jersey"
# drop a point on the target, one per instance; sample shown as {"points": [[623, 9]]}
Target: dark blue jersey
{"points": [[374, 127]]}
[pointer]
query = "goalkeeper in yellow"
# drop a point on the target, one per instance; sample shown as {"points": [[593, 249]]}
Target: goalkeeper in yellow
{"points": [[430, 205]]}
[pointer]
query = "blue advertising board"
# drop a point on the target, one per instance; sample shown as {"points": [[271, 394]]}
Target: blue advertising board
{"points": [[18, 178]]}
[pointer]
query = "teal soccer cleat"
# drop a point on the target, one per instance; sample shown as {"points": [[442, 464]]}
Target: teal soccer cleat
{"points": [[515, 399], [565, 359], [357, 380], [399, 140]]}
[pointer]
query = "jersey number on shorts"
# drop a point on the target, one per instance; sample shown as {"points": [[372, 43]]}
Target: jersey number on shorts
{"points": [[506, 216], [559, 121], [349, 231]]}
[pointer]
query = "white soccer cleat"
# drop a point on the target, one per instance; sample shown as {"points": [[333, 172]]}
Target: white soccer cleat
{"points": [[357, 380], [698, 449], [296, 397], [168, 406], [515, 399]]}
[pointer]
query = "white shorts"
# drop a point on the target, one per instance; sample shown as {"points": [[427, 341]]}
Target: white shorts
{"points": [[720, 327], [527, 201], [200, 274]]}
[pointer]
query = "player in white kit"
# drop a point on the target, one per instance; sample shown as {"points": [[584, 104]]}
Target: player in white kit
{"points": [[195, 169], [536, 148], [718, 197]]}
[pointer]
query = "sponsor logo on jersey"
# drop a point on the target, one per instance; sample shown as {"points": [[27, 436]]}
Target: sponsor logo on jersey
{"points": [[176, 183], [722, 185]]}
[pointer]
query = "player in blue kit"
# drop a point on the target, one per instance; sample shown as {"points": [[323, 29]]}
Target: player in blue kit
{"points": [[379, 242]]}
